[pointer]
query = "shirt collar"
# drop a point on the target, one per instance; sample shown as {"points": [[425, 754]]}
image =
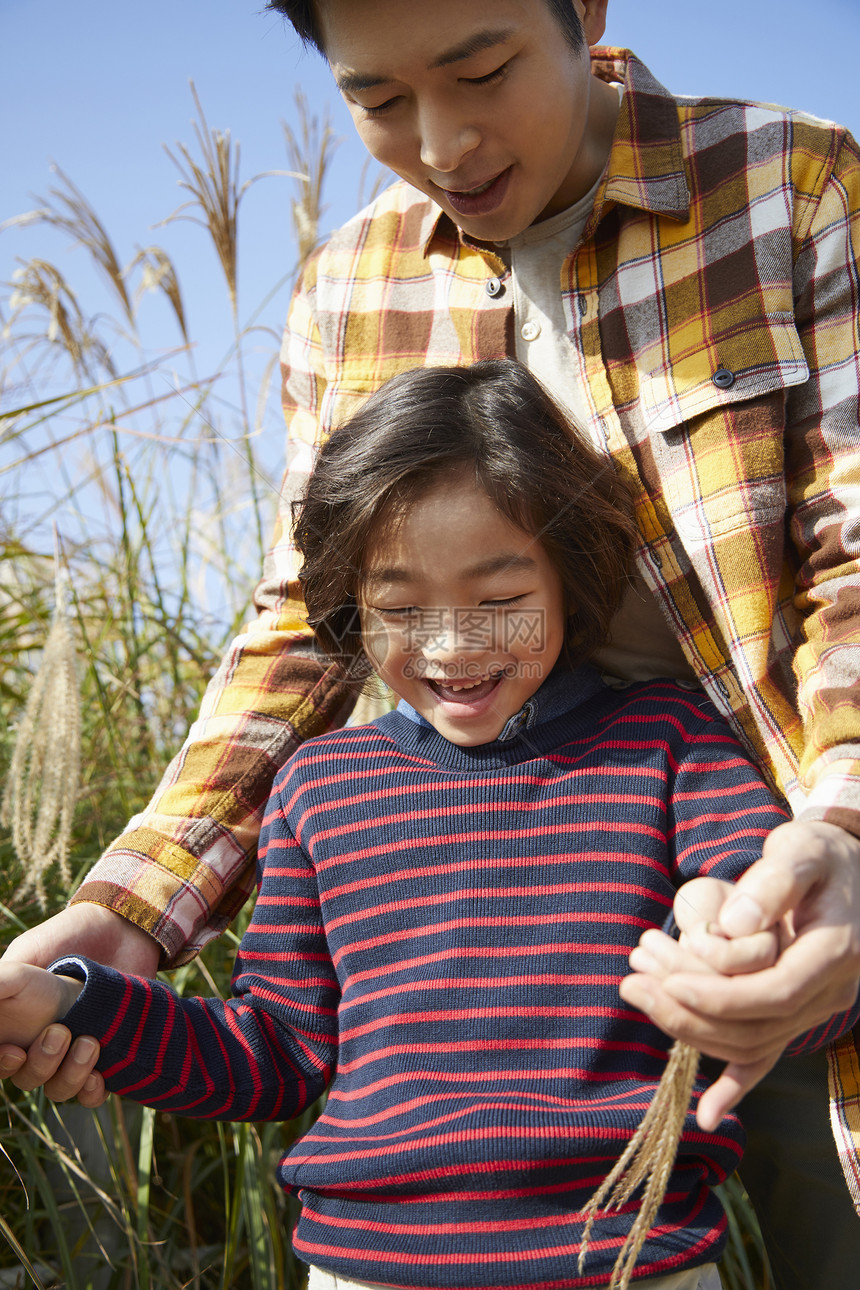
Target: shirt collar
{"points": [[561, 692], [646, 167]]}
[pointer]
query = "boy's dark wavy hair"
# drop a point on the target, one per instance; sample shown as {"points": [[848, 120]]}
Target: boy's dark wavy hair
{"points": [[303, 14], [492, 422]]}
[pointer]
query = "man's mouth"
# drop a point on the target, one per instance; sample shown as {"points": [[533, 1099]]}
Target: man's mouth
{"points": [[472, 192], [483, 198]]}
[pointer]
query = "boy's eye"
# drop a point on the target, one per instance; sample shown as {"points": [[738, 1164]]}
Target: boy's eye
{"points": [[504, 603], [400, 611]]}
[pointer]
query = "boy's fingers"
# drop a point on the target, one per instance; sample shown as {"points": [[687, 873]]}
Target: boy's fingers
{"points": [[11, 1060], [659, 955], [76, 1077], [700, 901], [732, 958]]}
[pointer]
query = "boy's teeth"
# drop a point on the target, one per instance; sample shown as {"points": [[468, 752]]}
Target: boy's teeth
{"points": [[465, 685]]}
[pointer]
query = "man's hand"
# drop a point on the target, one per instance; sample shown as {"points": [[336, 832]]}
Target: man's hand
{"points": [[66, 1068], [808, 881], [30, 999]]}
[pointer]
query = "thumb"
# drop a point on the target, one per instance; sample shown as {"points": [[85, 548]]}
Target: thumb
{"points": [[793, 862]]}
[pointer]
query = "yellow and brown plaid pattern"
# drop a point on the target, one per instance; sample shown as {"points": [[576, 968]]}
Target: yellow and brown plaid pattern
{"points": [[713, 303]]}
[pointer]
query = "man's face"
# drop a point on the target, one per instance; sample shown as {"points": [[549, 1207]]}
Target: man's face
{"points": [[480, 104]]}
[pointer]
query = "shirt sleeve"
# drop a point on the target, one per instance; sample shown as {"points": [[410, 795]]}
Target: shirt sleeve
{"points": [[267, 1052], [823, 479], [184, 866]]}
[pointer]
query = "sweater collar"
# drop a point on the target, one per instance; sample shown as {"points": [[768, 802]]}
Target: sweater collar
{"points": [[646, 167]]}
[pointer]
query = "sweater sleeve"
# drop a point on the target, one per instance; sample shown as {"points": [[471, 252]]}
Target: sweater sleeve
{"points": [[266, 1053], [722, 813], [185, 865]]}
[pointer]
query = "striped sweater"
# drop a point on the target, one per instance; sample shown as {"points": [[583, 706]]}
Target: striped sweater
{"points": [[443, 929]]}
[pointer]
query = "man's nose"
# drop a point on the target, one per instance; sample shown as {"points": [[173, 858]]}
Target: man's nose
{"points": [[446, 139]]}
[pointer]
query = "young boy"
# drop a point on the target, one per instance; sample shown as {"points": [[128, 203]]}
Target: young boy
{"points": [[682, 274], [448, 896]]}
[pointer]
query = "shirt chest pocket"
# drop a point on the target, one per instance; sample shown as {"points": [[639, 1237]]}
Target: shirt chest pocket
{"points": [[716, 426]]}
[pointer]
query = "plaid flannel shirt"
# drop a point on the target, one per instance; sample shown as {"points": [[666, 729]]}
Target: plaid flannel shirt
{"points": [[713, 306]]}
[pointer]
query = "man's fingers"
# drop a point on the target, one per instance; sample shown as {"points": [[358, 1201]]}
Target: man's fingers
{"points": [[744, 1042], [727, 1090], [791, 989], [65, 1068], [76, 1077], [798, 859]]}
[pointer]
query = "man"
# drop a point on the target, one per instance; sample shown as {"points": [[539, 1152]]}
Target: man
{"points": [[682, 274]]}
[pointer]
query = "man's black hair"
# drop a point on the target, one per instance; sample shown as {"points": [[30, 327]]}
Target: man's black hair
{"points": [[303, 16]]}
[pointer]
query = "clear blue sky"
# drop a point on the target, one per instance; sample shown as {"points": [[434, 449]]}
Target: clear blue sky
{"points": [[98, 86]]}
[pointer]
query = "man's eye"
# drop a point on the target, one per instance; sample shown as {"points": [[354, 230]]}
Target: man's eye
{"points": [[379, 109], [489, 78]]}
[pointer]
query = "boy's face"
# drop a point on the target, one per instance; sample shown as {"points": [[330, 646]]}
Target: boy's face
{"points": [[462, 613], [480, 104]]}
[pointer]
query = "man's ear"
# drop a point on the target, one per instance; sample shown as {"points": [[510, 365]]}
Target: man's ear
{"points": [[592, 15]]}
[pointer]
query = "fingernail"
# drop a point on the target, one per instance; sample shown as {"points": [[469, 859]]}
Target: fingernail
{"points": [[9, 1064], [53, 1040], [741, 916], [84, 1049], [90, 1084], [714, 929]]}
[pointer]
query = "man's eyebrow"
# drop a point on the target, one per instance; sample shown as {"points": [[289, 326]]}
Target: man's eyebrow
{"points": [[355, 82], [474, 44]]}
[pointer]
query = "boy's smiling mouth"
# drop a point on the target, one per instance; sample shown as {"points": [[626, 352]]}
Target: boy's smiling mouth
{"points": [[465, 691]]}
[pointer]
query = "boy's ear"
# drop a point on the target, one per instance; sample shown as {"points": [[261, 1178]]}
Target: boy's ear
{"points": [[592, 14]]}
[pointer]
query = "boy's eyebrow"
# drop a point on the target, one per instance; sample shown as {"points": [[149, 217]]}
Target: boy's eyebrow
{"points": [[355, 82], [501, 563], [396, 575]]}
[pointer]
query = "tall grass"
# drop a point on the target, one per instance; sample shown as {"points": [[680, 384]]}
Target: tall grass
{"points": [[158, 479]]}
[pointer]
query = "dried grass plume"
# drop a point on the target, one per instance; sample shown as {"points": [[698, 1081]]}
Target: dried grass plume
{"points": [[648, 1159], [42, 787]]}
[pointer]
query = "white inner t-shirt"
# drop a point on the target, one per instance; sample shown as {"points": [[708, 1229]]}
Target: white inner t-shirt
{"points": [[642, 644]]}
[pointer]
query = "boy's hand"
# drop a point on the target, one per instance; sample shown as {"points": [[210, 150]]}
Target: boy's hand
{"points": [[65, 1068], [30, 1000], [703, 946]]}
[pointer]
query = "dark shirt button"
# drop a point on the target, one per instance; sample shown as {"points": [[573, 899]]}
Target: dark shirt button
{"points": [[723, 378], [495, 287]]}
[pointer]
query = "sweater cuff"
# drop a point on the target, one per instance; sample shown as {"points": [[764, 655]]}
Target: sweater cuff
{"points": [[96, 1007]]}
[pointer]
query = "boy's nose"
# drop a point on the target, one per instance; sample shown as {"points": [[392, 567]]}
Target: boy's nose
{"points": [[446, 141], [448, 647]]}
